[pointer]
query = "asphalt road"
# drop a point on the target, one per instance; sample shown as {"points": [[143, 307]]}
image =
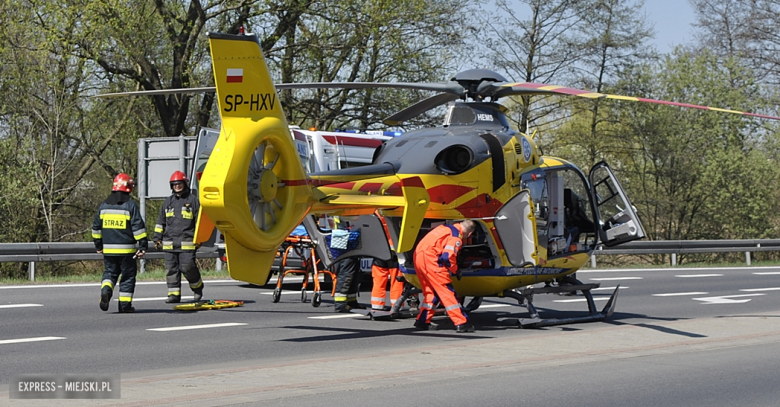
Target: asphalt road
{"points": [[687, 337]]}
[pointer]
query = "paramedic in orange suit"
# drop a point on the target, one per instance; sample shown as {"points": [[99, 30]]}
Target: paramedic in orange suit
{"points": [[380, 271], [435, 260]]}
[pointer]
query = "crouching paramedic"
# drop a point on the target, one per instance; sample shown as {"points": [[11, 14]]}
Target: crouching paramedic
{"points": [[435, 260], [117, 227], [175, 234]]}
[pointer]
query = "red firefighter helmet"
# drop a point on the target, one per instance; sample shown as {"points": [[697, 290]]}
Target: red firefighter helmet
{"points": [[179, 176], [123, 182]]}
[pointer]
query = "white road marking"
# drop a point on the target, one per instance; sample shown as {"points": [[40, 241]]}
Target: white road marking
{"points": [[184, 328], [608, 288], [767, 273], [350, 315], [20, 305], [582, 299], [680, 294], [698, 275], [288, 292], [39, 339], [155, 299], [748, 290], [615, 278], [494, 306], [8, 287], [726, 299]]}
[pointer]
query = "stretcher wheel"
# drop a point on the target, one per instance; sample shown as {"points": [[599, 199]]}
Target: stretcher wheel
{"points": [[316, 300], [277, 294], [303, 295]]}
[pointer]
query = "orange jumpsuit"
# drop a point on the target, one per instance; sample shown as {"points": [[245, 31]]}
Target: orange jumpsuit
{"points": [[380, 271], [435, 259]]}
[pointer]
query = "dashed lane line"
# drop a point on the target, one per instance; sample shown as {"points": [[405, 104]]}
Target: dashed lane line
{"points": [[20, 305], [698, 275], [608, 288], [748, 290], [767, 273], [681, 294], [38, 339], [337, 316], [9, 287], [207, 326], [156, 298], [582, 299], [615, 278]]}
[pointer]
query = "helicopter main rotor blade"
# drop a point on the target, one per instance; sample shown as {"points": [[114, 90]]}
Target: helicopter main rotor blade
{"points": [[449, 87], [158, 92], [496, 90], [419, 108]]}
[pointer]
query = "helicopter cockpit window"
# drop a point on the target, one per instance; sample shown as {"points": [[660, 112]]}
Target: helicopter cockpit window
{"points": [[460, 115]]}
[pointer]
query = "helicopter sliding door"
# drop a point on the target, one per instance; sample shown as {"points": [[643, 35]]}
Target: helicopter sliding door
{"points": [[372, 241], [618, 220], [516, 226]]}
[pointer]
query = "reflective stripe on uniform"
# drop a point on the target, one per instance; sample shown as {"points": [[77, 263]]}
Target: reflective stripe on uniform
{"points": [[452, 307], [158, 228], [119, 248], [188, 246], [125, 297], [108, 283], [197, 285], [340, 298], [139, 234], [174, 291], [378, 299], [97, 234], [426, 305], [118, 212], [186, 213]]}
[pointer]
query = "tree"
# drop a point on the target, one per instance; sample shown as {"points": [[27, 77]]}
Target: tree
{"points": [[534, 49], [613, 35], [698, 174]]}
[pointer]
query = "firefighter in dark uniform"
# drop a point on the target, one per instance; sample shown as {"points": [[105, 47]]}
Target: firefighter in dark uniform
{"points": [[117, 227], [175, 234], [347, 272]]}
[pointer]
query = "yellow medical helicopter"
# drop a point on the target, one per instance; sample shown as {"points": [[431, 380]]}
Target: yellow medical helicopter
{"points": [[539, 218]]}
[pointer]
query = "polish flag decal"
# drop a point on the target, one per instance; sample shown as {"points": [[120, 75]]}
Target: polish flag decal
{"points": [[235, 75]]}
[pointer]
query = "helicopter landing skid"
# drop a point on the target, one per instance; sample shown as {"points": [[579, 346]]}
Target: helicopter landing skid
{"points": [[526, 295]]}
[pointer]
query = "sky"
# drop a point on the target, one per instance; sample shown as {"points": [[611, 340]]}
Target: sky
{"points": [[672, 20]]}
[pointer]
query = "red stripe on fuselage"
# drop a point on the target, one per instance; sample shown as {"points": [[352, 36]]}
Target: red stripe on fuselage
{"points": [[483, 206], [444, 194], [371, 187], [353, 141]]}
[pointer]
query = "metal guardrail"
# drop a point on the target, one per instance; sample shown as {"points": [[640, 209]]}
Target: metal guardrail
{"points": [[64, 251], [676, 247], [61, 251], [79, 251]]}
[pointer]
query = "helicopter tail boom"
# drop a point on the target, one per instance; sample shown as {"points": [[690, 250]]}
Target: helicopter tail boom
{"points": [[254, 187]]}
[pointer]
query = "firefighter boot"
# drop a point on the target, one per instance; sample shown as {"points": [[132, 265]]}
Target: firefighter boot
{"points": [[105, 297], [197, 294], [126, 308], [173, 299]]}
